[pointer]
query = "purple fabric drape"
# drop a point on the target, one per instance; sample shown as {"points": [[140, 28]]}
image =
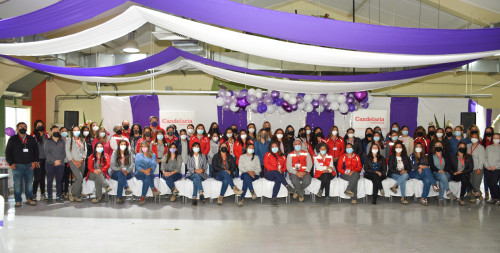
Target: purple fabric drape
{"points": [[472, 105], [144, 106], [488, 117], [228, 118], [324, 120], [404, 110], [281, 25]]}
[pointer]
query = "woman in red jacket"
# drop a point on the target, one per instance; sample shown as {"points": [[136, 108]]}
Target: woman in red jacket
{"points": [[147, 136], [324, 170], [275, 166], [336, 146], [201, 137], [421, 137], [241, 143], [349, 167], [99, 163]]}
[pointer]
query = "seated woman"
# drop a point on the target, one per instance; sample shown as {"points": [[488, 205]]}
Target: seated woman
{"points": [[250, 170], [461, 167], [399, 165], [224, 167], [349, 167], [275, 166], [197, 165], [375, 169], [323, 170], [145, 163], [421, 170], [99, 163], [440, 166], [171, 169], [122, 167]]}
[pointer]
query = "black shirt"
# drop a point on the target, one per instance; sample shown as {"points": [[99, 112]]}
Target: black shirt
{"points": [[14, 152]]}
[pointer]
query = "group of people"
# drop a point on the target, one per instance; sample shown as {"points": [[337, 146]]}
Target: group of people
{"points": [[434, 156]]}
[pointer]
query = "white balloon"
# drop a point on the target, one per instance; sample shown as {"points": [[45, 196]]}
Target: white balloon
{"points": [[228, 94], [341, 99], [315, 96], [331, 98], [308, 98], [309, 108], [334, 106], [292, 100], [271, 108], [251, 91], [258, 93], [320, 109], [370, 99], [234, 108], [286, 97], [281, 110], [301, 106], [219, 101], [343, 108], [254, 106]]}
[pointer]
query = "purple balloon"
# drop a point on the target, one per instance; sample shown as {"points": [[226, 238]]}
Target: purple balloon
{"points": [[346, 94], [265, 94], [268, 101], [322, 99], [228, 100], [366, 105], [301, 95], [9, 131], [329, 109], [300, 99], [243, 93], [360, 95], [295, 107], [284, 104], [349, 100], [262, 108], [352, 108], [275, 94], [287, 108], [242, 103], [232, 93], [315, 103], [251, 99], [279, 101], [221, 93]]}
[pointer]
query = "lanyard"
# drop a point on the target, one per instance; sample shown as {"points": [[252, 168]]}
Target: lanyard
{"points": [[24, 140], [440, 160], [78, 142], [472, 151], [461, 160]]}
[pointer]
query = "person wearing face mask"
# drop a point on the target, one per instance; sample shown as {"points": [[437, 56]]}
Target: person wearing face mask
{"points": [[368, 139], [478, 156], [377, 129], [39, 173], [122, 167], [117, 137], [492, 168], [394, 128], [420, 170], [241, 143], [126, 129], [335, 144], [488, 137], [440, 136], [135, 136], [229, 138], [145, 164], [399, 166], [267, 126], [224, 166], [390, 144], [67, 170], [85, 133], [317, 138], [99, 163], [324, 171], [214, 128], [197, 165], [375, 170], [147, 136], [284, 143], [299, 165], [261, 148], [448, 132], [159, 146], [349, 167], [55, 151], [202, 138], [183, 145], [290, 132], [441, 168], [154, 124], [473, 129], [461, 167], [21, 154], [275, 167], [406, 139], [104, 140], [421, 137], [458, 136], [355, 141], [235, 131], [377, 139], [76, 152], [171, 169], [309, 132], [250, 170], [94, 130], [214, 149], [170, 137], [301, 135], [431, 132], [252, 134], [190, 130]]}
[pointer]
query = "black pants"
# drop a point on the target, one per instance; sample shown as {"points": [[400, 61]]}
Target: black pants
{"points": [[492, 178], [325, 179], [86, 170], [376, 181], [39, 178], [65, 180], [465, 183], [58, 172]]}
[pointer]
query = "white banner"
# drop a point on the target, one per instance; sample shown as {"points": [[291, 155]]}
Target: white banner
{"points": [[179, 119], [344, 122], [363, 119], [449, 108], [296, 119], [198, 109]]}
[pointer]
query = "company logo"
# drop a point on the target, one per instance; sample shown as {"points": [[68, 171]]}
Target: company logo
{"points": [[177, 121], [372, 119]]}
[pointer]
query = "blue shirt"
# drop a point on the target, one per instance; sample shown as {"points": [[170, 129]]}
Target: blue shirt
{"points": [[143, 162], [261, 149], [454, 144]]}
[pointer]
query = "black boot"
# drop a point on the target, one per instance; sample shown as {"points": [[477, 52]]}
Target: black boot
{"points": [[374, 200], [274, 202]]}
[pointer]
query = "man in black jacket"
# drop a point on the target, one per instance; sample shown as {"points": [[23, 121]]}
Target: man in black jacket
{"points": [[21, 154]]}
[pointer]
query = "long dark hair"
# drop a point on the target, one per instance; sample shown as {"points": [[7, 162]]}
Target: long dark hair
{"points": [[423, 156], [279, 150], [245, 142], [314, 138], [246, 148], [103, 156], [369, 154], [224, 136], [211, 130], [169, 154], [403, 153], [73, 137], [433, 150], [38, 136], [126, 154], [485, 138], [380, 142]]}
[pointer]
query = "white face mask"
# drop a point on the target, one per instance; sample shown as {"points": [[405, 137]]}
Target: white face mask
{"points": [[102, 134], [399, 150], [496, 141], [251, 130], [190, 131], [350, 135], [335, 132], [474, 140], [439, 135], [123, 147], [215, 139], [95, 128], [85, 133], [243, 136], [374, 151], [279, 136], [418, 150], [229, 135], [183, 136], [308, 131]]}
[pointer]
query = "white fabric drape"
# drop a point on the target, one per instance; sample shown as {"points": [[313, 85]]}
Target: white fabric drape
{"points": [[136, 16]]}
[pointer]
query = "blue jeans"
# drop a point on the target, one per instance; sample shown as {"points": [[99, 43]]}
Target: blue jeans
{"points": [[226, 179], [401, 181], [443, 179], [247, 182], [23, 172], [197, 185], [147, 182], [122, 181], [171, 180], [210, 170], [427, 178], [278, 178]]}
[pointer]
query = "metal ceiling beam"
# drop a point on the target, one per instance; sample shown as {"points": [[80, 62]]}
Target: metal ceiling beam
{"points": [[465, 11], [357, 8]]}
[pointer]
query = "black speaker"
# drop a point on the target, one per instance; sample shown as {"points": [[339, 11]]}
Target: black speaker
{"points": [[467, 119], [70, 119]]}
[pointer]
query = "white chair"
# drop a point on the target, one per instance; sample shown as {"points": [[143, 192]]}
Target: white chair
{"points": [[341, 186], [88, 188], [267, 190]]}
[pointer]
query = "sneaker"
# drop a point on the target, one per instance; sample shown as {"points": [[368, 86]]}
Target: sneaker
{"points": [[354, 202], [394, 189], [436, 188], [349, 193], [254, 195], [301, 198], [237, 190], [274, 202], [173, 198], [404, 201], [60, 199], [49, 201], [486, 195], [461, 202], [241, 202], [78, 199], [128, 191], [119, 201], [219, 200], [18, 204], [70, 196], [194, 202], [295, 195], [142, 201], [96, 200], [108, 189], [43, 196], [64, 195], [175, 191], [156, 193], [450, 195], [492, 201], [31, 202], [202, 198], [320, 193], [423, 202], [290, 189], [498, 203], [473, 200], [327, 201], [382, 192]]}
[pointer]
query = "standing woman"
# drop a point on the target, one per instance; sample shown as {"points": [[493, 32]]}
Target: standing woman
{"points": [[375, 170], [67, 170], [261, 148], [431, 132], [190, 130], [89, 141], [377, 139], [94, 130], [135, 136], [421, 170], [399, 167], [478, 156], [117, 137], [171, 169], [39, 172], [407, 140], [241, 143], [250, 170], [440, 166], [302, 136], [267, 126], [309, 133], [224, 166], [440, 136], [282, 140], [349, 167], [492, 168], [159, 146], [389, 150], [76, 152], [316, 139], [421, 137], [394, 128], [486, 142], [183, 146], [214, 128], [56, 154], [230, 139], [201, 138], [104, 140], [290, 133], [275, 166], [354, 141], [458, 136], [252, 135], [145, 164], [170, 137], [197, 164], [365, 141], [214, 149], [122, 167], [335, 144], [324, 171], [99, 163], [461, 167], [147, 136]]}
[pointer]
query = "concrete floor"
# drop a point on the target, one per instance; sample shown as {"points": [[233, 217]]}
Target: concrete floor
{"points": [[295, 227]]}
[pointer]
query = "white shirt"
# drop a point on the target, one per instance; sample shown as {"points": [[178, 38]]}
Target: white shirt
{"points": [[196, 161]]}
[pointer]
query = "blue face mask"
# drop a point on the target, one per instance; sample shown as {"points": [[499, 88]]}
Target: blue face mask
{"points": [[200, 131], [64, 134], [297, 147], [250, 150], [394, 138], [349, 150], [322, 152], [275, 150], [99, 149], [395, 129], [376, 138], [159, 137], [457, 133], [405, 132], [154, 124], [196, 149], [76, 133]]}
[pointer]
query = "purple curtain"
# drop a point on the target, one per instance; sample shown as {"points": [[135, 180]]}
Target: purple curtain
{"points": [[144, 106], [404, 111], [228, 118], [488, 117], [324, 120], [472, 105]]}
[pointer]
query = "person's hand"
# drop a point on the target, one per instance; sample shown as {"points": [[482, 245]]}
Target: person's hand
{"points": [[458, 172], [228, 172], [38, 165], [422, 166], [478, 172], [13, 166], [125, 172], [442, 171], [165, 174], [419, 170], [33, 165], [335, 159], [146, 172], [252, 174], [378, 173], [403, 172], [351, 172], [57, 163], [158, 160]]}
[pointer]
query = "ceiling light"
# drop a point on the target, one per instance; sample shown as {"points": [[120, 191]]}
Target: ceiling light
{"points": [[131, 46]]}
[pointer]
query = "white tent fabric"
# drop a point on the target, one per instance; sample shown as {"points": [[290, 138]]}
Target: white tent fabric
{"points": [[441, 107], [114, 110], [136, 16]]}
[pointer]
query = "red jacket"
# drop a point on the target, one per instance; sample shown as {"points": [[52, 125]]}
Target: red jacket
{"points": [[336, 148], [104, 167], [119, 138], [157, 129], [204, 143], [326, 162], [154, 148], [170, 141], [346, 163], [299, 159], [107, 147], [311, 150], [126, 133], [138, 145], [274, 163], [238, 149], [233, 151], [425, 142]]}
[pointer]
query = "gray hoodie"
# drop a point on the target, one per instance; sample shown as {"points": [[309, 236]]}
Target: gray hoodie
{"points": [[117, 167], [493, 157], [54, 151]]}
